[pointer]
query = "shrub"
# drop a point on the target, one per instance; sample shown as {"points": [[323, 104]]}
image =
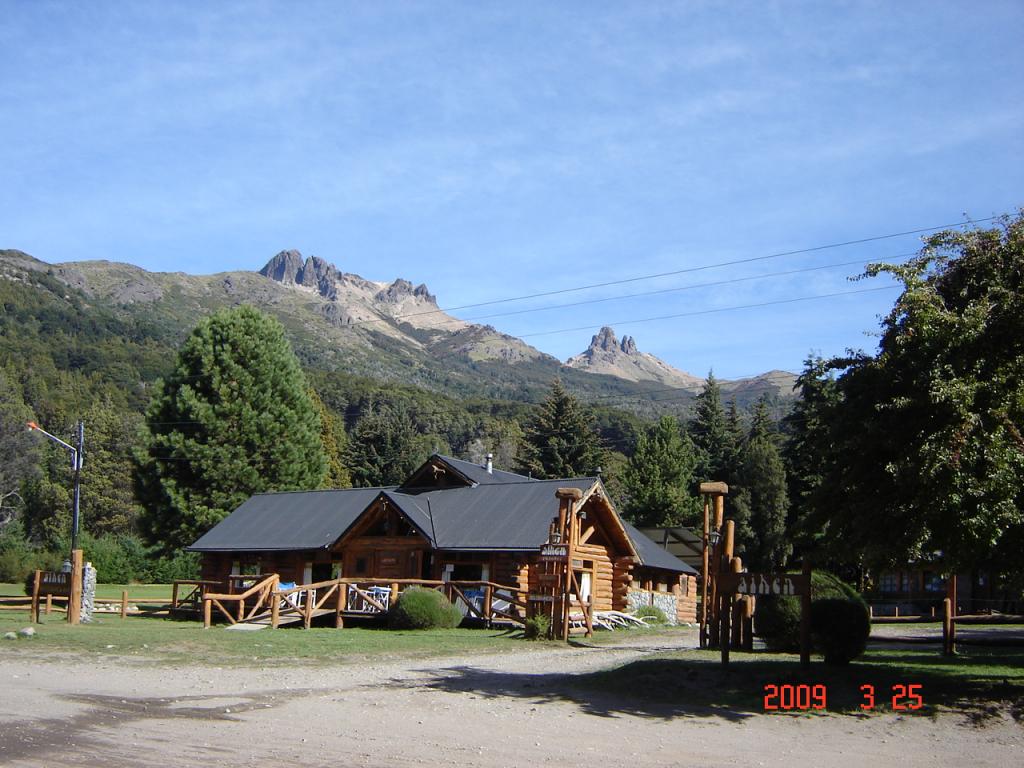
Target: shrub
{"points": [[419, 608], [777, 622], [777, 618], [537, 627], [651, 614], [840, 629]]}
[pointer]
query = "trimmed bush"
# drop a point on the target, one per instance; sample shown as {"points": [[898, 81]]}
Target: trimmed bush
{"points": [[419, 608], [840, 629], [536, 627], [651, 614], [777, 619]]}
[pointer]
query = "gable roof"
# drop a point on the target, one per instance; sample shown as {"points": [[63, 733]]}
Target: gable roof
{"points": [[495, 516], [464, 472], [287, 521], [654, 556]]}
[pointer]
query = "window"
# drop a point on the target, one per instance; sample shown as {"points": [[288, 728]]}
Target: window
{"points": [[889, 582], [360, 565]]}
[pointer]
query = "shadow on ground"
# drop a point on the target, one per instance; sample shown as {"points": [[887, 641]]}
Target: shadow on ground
{"points": [[683, 685], [77, 734]]}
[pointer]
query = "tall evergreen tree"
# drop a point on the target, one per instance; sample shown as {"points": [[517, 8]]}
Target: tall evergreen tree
{"points": [[19, 451], [807, 450], [760, 506], [234, 418], [560, 441], [335, 443], [385, 447], [711, 434], [658, 481]]}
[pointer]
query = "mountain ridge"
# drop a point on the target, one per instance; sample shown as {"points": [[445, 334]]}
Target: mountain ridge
{"points": [[392, 331]]}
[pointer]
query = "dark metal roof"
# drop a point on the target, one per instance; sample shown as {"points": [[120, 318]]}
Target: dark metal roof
{"points": [[480, 475], [654, 556], [681, 542], [503, 515], [287, 521]]}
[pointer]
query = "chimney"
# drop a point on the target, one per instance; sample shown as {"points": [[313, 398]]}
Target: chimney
{"points": [[490, 464]]}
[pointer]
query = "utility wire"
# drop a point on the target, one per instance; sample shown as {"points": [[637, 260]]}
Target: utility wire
{"points": [[687, 270], [713, 311], [679, 289]]}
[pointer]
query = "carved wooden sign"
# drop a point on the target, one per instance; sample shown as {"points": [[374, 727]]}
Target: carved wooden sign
{"points": [[764, 583], [550, 552], [56, 583]]}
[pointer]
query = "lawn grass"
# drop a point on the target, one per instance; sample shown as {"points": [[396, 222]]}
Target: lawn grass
{"points": [[173, 642], [979, 682], [159, 592]]}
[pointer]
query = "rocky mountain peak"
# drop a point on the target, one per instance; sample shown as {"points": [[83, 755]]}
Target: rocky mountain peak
{"points": [[317, 274], [284, 267], [607, 355], [604, 340], [403, 289]]}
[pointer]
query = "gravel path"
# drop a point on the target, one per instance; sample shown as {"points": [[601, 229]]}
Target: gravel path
{"points": [[507, 710]]}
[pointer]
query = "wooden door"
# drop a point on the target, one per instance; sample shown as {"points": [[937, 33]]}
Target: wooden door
{"points": [[392, 564]]}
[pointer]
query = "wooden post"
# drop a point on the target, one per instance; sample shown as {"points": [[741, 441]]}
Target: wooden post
{"points": [[748, 623], [730, 539], [947, 624], [951, 590], [49, 603], [174, 596], [723, 626], [207, 607], [714, 494], [488, 604], [805, 617], [275, 611], [124, 603], [567, 498], [704, 577], [307, 614], [736, 637], [75, 600], [35, 599]]}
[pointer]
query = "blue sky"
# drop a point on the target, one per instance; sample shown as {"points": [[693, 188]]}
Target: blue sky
{"points": [[501, 149]]}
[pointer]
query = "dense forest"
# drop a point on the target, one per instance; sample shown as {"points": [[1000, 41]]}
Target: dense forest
{"points": [[908, 450]]}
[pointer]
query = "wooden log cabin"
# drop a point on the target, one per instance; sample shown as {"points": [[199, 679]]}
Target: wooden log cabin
{"points": [[451, 520]]}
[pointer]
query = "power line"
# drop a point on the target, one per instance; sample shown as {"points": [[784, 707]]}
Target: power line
{"points": [[670, 273], [794, 300], [679, 289]]}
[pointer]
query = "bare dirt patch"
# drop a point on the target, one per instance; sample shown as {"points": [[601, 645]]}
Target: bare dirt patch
{"points": [[493, 710]]}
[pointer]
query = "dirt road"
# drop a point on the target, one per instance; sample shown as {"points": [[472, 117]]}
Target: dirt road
{"points": [[511, 710]]}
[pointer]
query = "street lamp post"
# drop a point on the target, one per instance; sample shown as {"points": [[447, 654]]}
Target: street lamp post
{"points": [[74, 564], [76, 468]]}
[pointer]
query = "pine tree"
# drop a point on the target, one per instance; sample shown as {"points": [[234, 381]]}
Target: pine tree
{"points": [[561, 441], [385, 448], [658, 481], [19, 451], [711, 434], [335, 443], [234, 418]]}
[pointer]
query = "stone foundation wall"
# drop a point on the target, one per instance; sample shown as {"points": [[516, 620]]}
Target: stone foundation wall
{"points": [[666, 601]]}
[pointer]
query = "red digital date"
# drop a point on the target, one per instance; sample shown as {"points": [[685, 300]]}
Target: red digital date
{"points": [[905, 698], [787, 697]]}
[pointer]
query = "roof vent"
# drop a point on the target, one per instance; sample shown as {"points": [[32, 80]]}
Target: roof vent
{"points": [[490, 464]]}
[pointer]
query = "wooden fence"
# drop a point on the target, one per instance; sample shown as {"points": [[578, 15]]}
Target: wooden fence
{"points": [[264, 602]]}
